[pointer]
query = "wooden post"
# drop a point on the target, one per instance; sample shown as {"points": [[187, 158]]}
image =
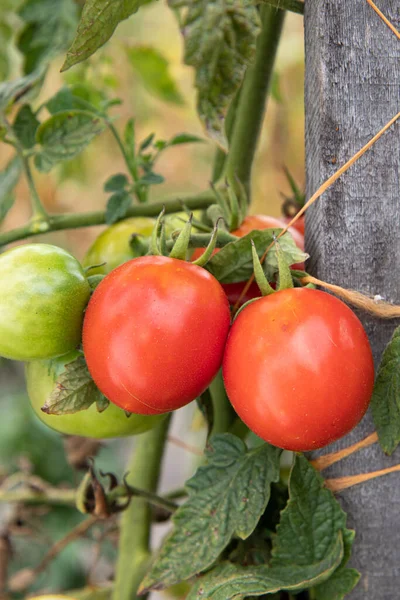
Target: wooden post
{"points": [[353, 232]]}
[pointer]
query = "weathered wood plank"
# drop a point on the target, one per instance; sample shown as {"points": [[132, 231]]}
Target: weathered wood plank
{"points": [[353, 232]]}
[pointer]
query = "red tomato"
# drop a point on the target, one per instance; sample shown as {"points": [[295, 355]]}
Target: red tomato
{"points": [[299, 225], [154, 333], [251, 222], [298, 368]]}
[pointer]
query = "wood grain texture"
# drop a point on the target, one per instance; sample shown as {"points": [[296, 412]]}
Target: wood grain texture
{"points": [[352, 89]]}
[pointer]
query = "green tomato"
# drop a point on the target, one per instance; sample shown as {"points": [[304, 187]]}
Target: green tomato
{"points": [[41, 377], [112, 246], [44, 292]]}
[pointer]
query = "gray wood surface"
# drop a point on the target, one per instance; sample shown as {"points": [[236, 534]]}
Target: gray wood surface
{"points": [[353, 232]]}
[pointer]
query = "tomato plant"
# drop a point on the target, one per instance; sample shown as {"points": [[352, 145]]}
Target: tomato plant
{"points": [[116, 354], [41, 378], [298, 368], [44, 294], [154, 333]]}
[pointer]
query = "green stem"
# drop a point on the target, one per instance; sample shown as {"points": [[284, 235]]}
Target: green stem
{"points": [[220, 155], [39, 214], [224, 415], [253, 97], [134, 552], [78, 220], [131, 167]]}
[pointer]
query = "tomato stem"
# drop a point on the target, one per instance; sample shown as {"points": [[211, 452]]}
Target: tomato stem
{"points": [[77, 220], [250, 112], [224, 415], [134, 551]]}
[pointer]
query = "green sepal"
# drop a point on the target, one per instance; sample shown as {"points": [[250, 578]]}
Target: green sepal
{"points": [[94, 281], [285, 274], [262, 282], [155, 248], [180, 248], [208, 252]]}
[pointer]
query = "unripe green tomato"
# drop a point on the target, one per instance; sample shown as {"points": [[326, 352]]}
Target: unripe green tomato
{"points": [[41, 377], [44, 292], [112, 246]]}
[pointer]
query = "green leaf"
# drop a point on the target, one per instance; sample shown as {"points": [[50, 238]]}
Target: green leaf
{"points": [[6, 33], [234, 263], [146, 142], [184, 138], [75, 390], [8, 180], [152, 68], [117, 206], [385, 403], [116, 183], [151, 179], [220, 42], [343, 579], [49, 29], [226, 497], [13, 91], [65, 135], [233, 582], [310, 544], [98, 22], [25, 126]]}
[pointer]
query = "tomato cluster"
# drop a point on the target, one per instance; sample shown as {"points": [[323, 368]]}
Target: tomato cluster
{"points": [[297, 364]]}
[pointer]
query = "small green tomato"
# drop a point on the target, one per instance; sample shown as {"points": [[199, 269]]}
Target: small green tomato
{"points": [[41, 377], [44, 292]]}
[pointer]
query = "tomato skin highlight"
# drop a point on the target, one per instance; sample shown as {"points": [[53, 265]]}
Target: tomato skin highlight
{"points": [[154, 333], [44, 292], [41, 377], [298, 368]]}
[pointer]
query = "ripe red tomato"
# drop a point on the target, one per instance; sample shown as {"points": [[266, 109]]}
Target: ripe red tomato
{"points": [[154, 333], [298, 368], [251, 222], [299, 225]]}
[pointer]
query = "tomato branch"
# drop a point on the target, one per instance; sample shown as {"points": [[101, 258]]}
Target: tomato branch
{"points": [[88, 219], [134, 543], [252, 103]]}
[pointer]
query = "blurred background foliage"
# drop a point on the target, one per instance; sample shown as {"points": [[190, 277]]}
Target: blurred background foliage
{"points": [[142, 66]]}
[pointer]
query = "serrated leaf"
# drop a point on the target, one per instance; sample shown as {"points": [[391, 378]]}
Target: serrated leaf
{"points": [[65, 135], [13, 91], [220, 42], [343, 579], [117, 206], [184, 138], [75, 390], [311, 545], [234, 262], [116, 183], [49, 29], [153, 69], [25, 126], [8, 180], [226, 497], [65, 100], [233, 582], [312, 516], [98, 22], [385, 403]]}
